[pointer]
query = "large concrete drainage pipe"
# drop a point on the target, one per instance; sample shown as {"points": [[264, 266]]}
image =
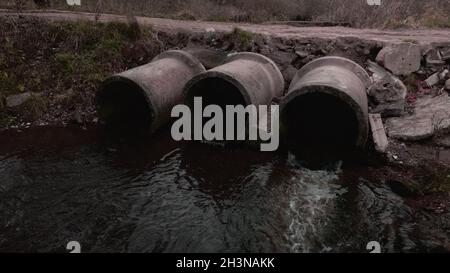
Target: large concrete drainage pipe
{"points": [[245, 78], [324, 116], [140, 100]]}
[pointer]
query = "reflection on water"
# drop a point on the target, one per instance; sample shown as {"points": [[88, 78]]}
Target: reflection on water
{"points": [[61, 184]]}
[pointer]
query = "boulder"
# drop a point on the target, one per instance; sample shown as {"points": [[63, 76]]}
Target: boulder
{"points": [[433, 57], [14, 101], [378, 133], [387, 94], [431, 115], [400, 59]]}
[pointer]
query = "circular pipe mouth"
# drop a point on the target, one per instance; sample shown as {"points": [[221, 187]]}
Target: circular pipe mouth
{"points": [[125, 107], [322, 124]]}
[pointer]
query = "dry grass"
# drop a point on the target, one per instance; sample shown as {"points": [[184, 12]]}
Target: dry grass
{"points": [[391, 14]]}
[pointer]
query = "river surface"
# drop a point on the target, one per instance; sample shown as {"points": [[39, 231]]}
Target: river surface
{"points": [[67, 184]]}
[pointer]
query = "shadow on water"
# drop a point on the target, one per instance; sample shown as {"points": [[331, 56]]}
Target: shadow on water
{"points": [[63, 184]]}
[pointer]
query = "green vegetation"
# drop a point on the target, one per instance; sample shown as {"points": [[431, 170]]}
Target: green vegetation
{"points": [[52, 58], [242, 39]]}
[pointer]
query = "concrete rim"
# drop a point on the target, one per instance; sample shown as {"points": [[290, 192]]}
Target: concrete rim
{"points": [[334, 61], [258, 58], [183, 56]]}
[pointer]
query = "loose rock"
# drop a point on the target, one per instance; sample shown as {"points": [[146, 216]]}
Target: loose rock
{"points": [[431, 116], [436, 78], [19, 99], [208, 57], [432, 80], [400, 59], [395, 109], [445, 54], [301, 53], [378, 133], [387, 94], [433, 57]]}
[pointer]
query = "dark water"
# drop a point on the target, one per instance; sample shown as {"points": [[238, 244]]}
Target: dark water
{"points": [[66, 184]]}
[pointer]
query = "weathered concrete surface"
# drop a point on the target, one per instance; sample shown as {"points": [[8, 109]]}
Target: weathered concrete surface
{"points": [[257, 79], [421, 36], [143, 97], [387, 94], [431, 115], [378, 133], [401, 59], [331, 77]]}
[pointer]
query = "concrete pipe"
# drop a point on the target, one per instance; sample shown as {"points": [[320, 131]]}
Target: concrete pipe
{"points": [[245, 78], [325, 113], [141, 99]]}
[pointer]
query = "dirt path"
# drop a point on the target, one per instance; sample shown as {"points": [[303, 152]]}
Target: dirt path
{"points": [[423, 36]]}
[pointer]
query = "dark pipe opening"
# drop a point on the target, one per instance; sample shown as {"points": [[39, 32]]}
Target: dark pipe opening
{"points": [[216, 91], [124, 108], [321, 128]]}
